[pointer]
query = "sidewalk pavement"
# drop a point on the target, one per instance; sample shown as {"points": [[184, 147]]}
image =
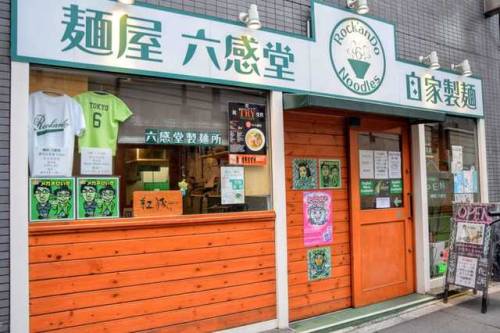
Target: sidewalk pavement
{"points": [[462, 314]]}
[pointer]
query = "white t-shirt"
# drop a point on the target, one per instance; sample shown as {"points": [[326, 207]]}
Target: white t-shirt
{"points": [[53, 123]]}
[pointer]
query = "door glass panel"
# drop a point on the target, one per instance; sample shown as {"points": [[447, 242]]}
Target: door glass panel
{"points": [[380, 170], [452, 176]]}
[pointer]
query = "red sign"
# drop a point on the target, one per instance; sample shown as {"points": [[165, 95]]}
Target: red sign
{"points": [[241, 159]]}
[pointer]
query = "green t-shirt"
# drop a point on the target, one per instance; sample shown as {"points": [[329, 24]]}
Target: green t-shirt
{"points": [[103, 112]]}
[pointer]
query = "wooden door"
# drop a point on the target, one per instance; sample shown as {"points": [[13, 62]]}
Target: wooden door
{"points": [[382, 228]]}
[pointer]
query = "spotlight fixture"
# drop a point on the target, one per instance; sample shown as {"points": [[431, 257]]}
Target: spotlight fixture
{"points": [[463, 67], [432, 60], [127, 2], [361, 6], [251, 19]]}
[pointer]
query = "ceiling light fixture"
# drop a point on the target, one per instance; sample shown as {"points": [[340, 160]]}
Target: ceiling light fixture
{"points": [[463, 67], [127, 2], [432, 60], [361, 6], [251, 19]]}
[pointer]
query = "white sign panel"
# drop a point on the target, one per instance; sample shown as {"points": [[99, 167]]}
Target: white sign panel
{"points": [[50, 162], [96, 161], [350, 56], [232, 185], [381, 164], [466, 271], [457, 159], [366, 164], [394, 164]]}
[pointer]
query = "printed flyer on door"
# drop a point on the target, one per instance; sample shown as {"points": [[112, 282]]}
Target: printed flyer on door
{"points": [[317, 208]]}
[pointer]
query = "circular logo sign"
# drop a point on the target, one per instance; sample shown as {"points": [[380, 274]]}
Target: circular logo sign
{"points": [[357, 56]]}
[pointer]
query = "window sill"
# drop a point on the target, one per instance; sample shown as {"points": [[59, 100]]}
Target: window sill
{"points": [[40, 228]]}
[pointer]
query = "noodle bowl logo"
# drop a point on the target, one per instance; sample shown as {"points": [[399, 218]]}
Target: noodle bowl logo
{"points": [[357, 56]]}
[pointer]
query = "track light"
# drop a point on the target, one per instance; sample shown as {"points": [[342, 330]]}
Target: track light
{"points": [[432, 60], [463, 67], [251, 19], [361, 6], [127, 2]]}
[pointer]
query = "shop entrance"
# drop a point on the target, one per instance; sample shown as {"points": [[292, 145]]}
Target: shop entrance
{"points": [[381, 221]]}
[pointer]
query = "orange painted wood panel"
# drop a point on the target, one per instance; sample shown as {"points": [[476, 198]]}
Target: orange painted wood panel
{"points": [[309, 134], [133, 277]]}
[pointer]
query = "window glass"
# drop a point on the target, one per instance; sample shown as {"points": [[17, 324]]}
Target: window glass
{"points": [[381, 183], [452, 176], [163, 146]]}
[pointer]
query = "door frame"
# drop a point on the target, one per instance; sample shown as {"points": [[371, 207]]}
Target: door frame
{"points": [[375, 124]]}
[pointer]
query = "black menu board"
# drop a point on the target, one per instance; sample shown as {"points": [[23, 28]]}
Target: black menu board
{"points": [[470, 252], [247, 134]]}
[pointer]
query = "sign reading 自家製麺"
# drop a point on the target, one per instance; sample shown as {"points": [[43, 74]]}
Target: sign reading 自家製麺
{"points": [[349, 57]]}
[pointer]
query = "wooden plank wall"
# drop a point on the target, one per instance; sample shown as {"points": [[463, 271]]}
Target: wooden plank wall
{"points": [[309, 135], [192, 277]]}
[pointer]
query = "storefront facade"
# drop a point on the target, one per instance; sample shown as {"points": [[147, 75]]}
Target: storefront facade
{"points": [[307, 175]]}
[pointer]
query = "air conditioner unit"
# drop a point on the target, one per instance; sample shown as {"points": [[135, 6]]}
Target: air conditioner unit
{"points": [[491, 7]]}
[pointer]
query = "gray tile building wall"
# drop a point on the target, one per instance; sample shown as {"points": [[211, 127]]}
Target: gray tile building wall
{"points": [[4, 161], [456, 29]]}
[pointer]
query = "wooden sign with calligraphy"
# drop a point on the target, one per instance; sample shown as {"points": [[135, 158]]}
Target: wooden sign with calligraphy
{"points": [[470, 253], [157, 203]]}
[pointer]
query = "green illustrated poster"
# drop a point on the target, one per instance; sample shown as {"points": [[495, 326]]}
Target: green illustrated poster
{"points": [[98, 197], [304, 173], [319, 263], [52, 199], [367, 187], [396, 186], [329, 174]]}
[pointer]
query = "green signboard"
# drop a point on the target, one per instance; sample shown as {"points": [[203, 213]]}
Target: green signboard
{"points": [[52, 199], [98, 197], [367, 187], [154, 136], [396, 186]]}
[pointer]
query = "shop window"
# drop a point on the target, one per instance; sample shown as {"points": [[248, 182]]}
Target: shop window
{"points": [[104, 146], [381, 183], [452, 176]]}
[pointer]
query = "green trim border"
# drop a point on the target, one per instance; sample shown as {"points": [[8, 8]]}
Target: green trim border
{"points": [[103, 68]]}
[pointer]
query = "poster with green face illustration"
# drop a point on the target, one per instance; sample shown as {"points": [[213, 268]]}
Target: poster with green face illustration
{"points": [[98, 197], [319, 263], [52, 199]]}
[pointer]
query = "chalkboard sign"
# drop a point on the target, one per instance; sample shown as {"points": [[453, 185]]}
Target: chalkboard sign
{"points": [[470, 255]]}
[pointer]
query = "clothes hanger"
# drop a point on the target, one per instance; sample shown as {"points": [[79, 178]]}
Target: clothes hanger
{"points": [[102, 91], [53, 92]]}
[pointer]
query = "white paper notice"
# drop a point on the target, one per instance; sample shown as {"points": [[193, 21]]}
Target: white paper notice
{"points": [[381, 165], [394, 165], [96, 161], [466, 272], [457, 159], [232, 185], [366, 164], [384, 202], [50, 162]]}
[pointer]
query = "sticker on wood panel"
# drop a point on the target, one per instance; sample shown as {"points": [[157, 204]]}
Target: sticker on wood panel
{"points": [[330, 174], [304, 173], [319, 263], [317, 212]]}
